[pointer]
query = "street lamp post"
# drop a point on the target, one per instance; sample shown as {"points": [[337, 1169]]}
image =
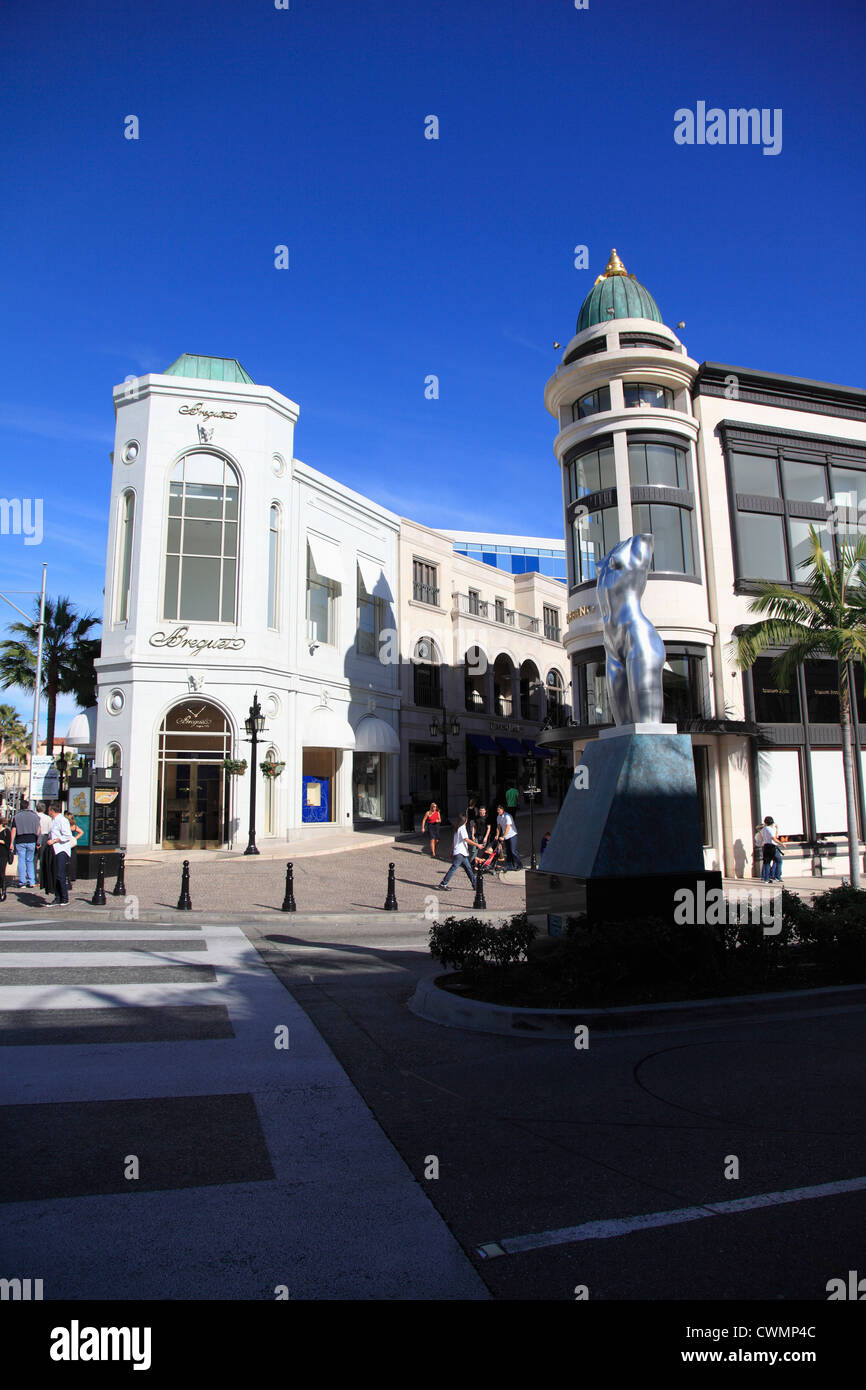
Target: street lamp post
{"points": [[435, 731], [531, 790], [62, 765], [254, 726]]}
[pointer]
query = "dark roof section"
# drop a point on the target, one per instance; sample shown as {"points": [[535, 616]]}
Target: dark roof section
{"points": [[786, 392]]}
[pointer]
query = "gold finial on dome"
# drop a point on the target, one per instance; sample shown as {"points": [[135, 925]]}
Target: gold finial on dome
{"points": [[613, 267]]}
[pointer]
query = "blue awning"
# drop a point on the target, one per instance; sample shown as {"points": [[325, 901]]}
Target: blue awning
{"points": [[536, 752], [513, 747], [484, 743]]}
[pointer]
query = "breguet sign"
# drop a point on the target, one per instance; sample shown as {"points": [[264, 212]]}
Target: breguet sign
{"points": [[179, 639], [199, 409]]}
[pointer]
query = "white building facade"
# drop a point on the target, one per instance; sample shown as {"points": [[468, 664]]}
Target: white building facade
{"points": [[728, 469], [235, 570]]}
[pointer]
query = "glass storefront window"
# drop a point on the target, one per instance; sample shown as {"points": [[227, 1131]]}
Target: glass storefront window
{"points": [[683, 686], [672, 532], [781, 790], [367, 786], [701, 755], [828, 792], [591, 687], [804, 482]]}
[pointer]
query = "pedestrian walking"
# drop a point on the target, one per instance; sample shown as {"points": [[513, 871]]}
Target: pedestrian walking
{"points": [[61, 840], [5, 856], [460, 856], [508, 835], [25, 837], [431, 823]]}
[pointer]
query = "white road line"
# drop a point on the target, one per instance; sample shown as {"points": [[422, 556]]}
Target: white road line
{"points": [[627, 1225]]}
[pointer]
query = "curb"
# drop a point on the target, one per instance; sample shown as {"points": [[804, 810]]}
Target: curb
{"points": [[437, 1005], [166, 916]]}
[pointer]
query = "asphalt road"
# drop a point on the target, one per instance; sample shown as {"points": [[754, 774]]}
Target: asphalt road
{"points": [[536, 1136]]}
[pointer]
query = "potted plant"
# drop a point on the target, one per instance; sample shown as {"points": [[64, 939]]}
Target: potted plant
{"points": [[235, 767], [271, 769]]}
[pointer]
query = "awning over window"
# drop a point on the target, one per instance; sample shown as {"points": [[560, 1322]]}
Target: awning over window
{"points": [[513, 747], [374, 579], [375, 736], [484, 743], [536, 752], [327, 728], [326, 558]]}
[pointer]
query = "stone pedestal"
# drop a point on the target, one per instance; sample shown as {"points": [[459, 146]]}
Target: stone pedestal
{"points": [[628, 835]]}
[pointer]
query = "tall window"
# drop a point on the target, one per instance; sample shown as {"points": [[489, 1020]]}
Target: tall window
{"points": [[371, 620], [273, 565], [551, 623], [321, 606], [202, 540], [654, 464], [124, 553], [425, 583], [593, 535], [426, 686], [591, 403], [590, 471]]}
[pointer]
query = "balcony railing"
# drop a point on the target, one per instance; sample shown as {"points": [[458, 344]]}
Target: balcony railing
{"points": [[492, 612], [425, 593]]}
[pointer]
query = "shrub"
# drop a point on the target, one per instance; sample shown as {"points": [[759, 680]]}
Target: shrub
{"points": [[468, 943]]}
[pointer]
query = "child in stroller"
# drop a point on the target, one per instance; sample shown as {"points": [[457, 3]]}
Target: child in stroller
{"points": [[490, 860]]}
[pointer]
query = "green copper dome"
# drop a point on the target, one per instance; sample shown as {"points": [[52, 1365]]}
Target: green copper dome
{"points": [[209, 369], [616, 295]]}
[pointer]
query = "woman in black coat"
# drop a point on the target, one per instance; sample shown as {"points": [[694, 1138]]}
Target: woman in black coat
{"points": [[5, 856]]}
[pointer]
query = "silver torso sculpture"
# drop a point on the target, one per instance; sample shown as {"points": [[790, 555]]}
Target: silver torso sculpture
{"points": [[634, 651]]}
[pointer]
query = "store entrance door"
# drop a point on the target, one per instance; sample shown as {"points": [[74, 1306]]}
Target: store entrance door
{"points": [[194, 741]]}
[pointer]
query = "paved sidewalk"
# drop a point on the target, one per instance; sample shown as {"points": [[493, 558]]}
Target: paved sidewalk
{"points": [[259, 1167]]}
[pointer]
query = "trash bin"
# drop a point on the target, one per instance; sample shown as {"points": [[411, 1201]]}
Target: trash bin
{"points": [[407, 818]]}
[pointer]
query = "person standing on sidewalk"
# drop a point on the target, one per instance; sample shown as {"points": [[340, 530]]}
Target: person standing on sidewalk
{"points": [[512, 798], [771, 868], [508, 836], [431, 823], [44, 853], [5, 856], [25, 833], [61, 839], [460, 856]]}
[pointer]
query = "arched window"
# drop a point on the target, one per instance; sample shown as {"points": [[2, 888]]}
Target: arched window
{"points": [[427, 688], [271, 756], [503, 678], [202, 540], [555, 699], [529, 686], [126, 522], [474, 671], [113, 757], [273, 565]]}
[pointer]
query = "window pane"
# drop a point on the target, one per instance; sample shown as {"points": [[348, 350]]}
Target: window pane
{"points": [[655, 396], [753, 473], [631, 394], [592, 693], [772, 704], [662, 465], [606, 467], [801, 546], [822, 692], [204, 468], [637, 465], [272, 577], [230, 540], [125, 556], [173, 542], [688, 546], [169, 607], [587, 473], [203, 501], [199, 589], [229, 583], [780, 790], [849, 487], [762, 546], [668, 550], [318, 611], [202, 537], [828, 791], [175, 499], [232, 502], [804, 482]]}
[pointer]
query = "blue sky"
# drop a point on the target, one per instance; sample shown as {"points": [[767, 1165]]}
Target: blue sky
{"points": [[305, 127]]}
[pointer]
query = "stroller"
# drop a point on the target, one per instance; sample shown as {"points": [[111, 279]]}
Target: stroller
{"points": [[490, 860]]}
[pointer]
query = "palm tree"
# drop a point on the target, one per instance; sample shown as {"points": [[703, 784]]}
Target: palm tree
{"points": [[68, 655], [827, 619], [13, 734]]}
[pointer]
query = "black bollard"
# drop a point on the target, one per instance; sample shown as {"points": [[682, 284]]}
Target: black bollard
{"points": [[98, 899], [119, 889], [183, 903], [480, 900], [289, 899], [391, 900]]}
